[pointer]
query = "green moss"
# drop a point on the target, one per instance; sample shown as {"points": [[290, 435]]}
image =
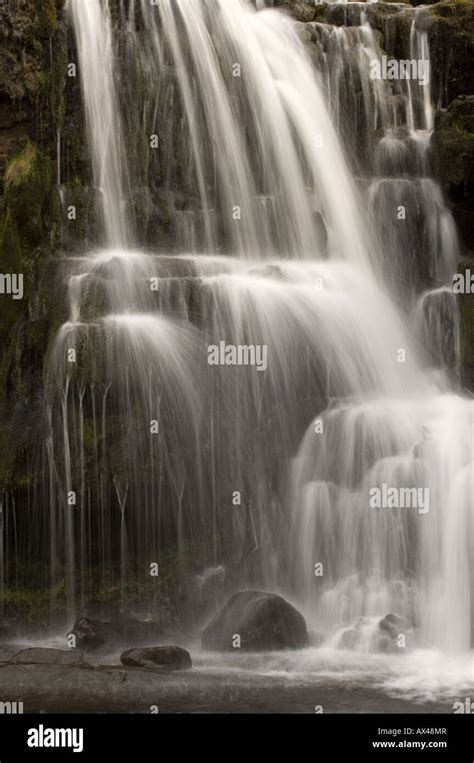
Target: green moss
{"points": [[454, 156], [48, 14], [453, 143], [320, 11], [396, 30], [24, 226], [451, 40], [28, 182], [33, 605], [21, 167], [452, 8]]}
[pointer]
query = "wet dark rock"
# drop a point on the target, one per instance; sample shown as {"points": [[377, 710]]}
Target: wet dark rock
{"points": [[158, 657], [45, 656], [451, 40], [390, 628], [301, 10], [453, 161], [386, 645], [8, 652], [466, 305], [263, 621], [450, 28], [393, 625], [92, 634], [103, 688], [453, 144], [440, 316], [349, 639]]}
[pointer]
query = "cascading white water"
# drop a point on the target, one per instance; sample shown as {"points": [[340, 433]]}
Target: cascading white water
{"points": [[380, 560], [294, 147], [268, 164], [94, 43]]}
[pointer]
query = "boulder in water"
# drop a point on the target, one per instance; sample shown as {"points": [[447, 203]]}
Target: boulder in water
{"points": [[92, 634], [158, 657], [393, 625], [390, 628], [262, 621]]}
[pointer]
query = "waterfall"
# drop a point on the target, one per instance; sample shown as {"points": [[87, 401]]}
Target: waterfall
{"points": [[244, 95], [91, 21], [264, 476]]}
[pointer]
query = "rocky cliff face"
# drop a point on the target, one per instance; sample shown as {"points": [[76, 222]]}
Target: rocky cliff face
{"points": [[33, 53]]}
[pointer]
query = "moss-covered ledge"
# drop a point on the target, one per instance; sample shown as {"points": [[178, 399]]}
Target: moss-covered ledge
{"points": [[453, 143], [453, 160]]}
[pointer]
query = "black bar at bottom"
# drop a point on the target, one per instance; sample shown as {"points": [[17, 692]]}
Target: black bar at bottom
{"points": [[166, 737]]}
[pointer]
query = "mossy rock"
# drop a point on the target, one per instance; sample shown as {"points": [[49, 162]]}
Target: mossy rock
{"points": [[28, 182], [451, 40], [453, 161], [453, 143], [26, 224], [466, 305]]}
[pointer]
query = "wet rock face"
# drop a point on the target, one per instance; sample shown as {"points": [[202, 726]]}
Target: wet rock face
{"points": [[451, 39], [381, 637], [8, 652], [45, 656], [160, 657], [101, 689], [466, 306], [255, 621], [301, 10], [453, 142], [391, 627], [93, 634], [453, 157]]}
